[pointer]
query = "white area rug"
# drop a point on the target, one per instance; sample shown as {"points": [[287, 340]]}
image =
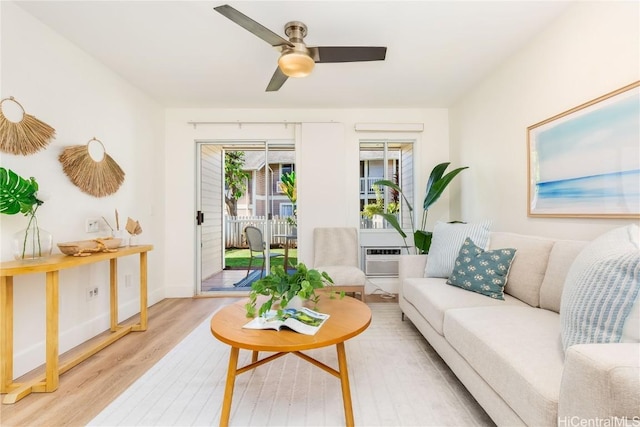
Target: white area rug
{"points": [[396, 379]]}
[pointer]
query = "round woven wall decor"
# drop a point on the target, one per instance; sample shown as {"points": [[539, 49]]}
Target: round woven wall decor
{"points": [[98, 178], [27, 136]]}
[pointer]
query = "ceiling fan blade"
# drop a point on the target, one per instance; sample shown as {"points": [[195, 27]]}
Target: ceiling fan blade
{"points": [[347, 53], [252, 26], [277, 80]]}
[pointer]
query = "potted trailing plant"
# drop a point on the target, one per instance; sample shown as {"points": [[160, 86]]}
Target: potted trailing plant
{"points": [[20, 195], [436, 185], [282, 287]]}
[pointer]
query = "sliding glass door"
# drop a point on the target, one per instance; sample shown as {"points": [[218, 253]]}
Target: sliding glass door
{"points": [[240, 184]]}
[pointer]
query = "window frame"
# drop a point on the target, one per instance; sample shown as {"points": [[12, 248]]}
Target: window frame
{"points": [[408, 188]]}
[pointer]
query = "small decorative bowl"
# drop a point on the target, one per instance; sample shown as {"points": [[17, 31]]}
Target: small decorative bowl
{"points": [[88, 247]]}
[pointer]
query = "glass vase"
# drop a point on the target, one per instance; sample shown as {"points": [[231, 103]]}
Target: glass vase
{"points": [[32, 243]]}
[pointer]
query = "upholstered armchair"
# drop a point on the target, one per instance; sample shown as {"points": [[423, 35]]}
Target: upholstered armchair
{"points": [[336, 251]]}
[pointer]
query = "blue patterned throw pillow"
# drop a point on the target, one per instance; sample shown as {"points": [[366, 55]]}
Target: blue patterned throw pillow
{"points": [[484, 272]]}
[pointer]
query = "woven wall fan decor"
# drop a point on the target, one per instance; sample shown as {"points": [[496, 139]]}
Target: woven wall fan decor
{"points": [[98, 178], [27, 136]]}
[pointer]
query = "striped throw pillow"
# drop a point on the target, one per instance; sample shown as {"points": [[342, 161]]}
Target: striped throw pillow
{"points": [[446, 243], [601, 288]]}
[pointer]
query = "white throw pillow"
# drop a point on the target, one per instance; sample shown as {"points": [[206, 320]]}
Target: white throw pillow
{"points": [[601, 289], [446, 243]]}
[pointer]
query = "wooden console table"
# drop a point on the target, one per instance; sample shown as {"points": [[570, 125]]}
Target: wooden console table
{"points": [[51, 267]]}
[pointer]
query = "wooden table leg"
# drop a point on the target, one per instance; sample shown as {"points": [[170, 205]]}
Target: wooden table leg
{"points": [[52, 373], [143, 291], [6, 333], [142, 326], [344, 382], [228, 390], [113, 293]]}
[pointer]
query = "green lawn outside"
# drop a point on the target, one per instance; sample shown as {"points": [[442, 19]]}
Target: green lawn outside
{"points": [[239, 258]]}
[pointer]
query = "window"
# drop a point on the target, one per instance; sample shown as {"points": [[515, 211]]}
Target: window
{"points": [[393, 161], [286, 168], [286, 209]]}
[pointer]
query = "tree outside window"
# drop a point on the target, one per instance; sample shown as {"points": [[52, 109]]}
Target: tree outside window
{"points": [[235, 179]]}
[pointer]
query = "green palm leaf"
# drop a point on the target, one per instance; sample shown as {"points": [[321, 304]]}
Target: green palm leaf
{"points": [[392, 219], [436, 187], [289, 186], [436, 174], [16, 193]]}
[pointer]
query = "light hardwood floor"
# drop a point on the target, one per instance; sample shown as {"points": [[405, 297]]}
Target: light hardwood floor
{"points": [[89, 387]]}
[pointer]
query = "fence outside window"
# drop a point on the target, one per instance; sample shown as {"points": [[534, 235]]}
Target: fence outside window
{"points": [[234, 226]]}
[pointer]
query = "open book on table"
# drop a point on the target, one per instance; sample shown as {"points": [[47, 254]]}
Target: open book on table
{"points": [[302, 320]]}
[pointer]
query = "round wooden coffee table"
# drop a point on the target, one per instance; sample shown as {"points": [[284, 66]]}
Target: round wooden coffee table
{"points": [[348, 318]]}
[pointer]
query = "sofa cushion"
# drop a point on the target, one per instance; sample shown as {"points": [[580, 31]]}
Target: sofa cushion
{"points": [[517, 350], [484, 272], [446, 243], [601, 288], [528, 268], [433, 297], [560, 259]]}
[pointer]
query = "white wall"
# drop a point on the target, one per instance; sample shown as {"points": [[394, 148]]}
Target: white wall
{"points": [[324, 193], [81, 99], [593, 49], [432, 148]]}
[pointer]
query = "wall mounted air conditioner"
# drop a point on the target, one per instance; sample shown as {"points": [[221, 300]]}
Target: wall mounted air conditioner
{"points": [[381, 261]]}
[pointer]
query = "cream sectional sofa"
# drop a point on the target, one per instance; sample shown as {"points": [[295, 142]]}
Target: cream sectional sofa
{"points": [[509, 354]]}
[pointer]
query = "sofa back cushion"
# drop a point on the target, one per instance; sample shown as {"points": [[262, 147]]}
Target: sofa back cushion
{"points": [[560, 259], [528, 267]]}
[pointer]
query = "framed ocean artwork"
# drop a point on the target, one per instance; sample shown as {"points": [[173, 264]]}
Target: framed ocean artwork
{"points": [[585, 162]]}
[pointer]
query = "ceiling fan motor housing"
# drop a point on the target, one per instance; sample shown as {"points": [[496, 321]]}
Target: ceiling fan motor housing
{"points": [[296, 31]]}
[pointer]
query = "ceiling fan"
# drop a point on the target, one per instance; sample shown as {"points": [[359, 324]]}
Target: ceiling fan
{"points": [[296, 58]]}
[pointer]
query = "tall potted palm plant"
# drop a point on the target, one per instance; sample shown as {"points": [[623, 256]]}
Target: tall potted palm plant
{"points": [[436, 185]]}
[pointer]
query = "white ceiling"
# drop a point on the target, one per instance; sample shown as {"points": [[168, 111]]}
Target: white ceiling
{"points": [[184, 54]]}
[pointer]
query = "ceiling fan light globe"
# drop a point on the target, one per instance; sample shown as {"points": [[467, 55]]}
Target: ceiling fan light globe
{"points": [[296, 64]]}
